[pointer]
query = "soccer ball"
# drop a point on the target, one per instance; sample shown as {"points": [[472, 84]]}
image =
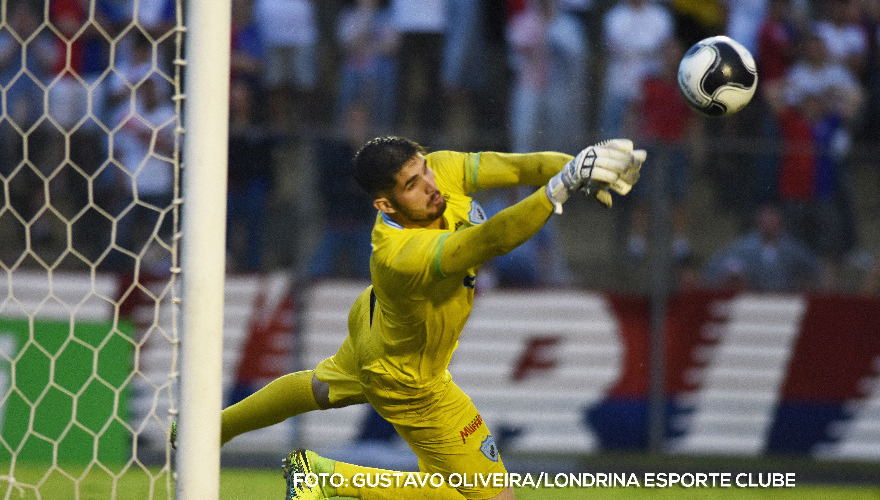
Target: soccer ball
{"points": [[717, 76]]}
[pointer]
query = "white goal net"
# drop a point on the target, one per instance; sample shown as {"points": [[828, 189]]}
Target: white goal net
{"points": [[90, 136]]}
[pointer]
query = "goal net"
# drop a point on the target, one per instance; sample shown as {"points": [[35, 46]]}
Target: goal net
{"points": [[90, 136]]}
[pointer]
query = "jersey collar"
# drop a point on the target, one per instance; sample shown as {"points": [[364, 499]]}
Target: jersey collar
{"points": [[390, 222]]}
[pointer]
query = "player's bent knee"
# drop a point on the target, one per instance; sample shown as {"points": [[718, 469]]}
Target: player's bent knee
{"points": [[321, 391]]}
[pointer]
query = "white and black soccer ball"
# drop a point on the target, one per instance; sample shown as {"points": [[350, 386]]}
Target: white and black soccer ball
{"points": [[717, 76]]}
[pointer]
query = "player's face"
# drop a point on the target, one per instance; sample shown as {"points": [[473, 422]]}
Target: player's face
{"points": [[415, 200]]}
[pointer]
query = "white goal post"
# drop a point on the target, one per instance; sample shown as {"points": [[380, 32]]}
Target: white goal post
{"points": [[204, 226]]}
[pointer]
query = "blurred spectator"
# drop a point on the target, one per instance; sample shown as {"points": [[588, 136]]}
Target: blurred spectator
{"points": [[368, 71], [822, 99], [113, 15], [774, 57], [251, 174], [548, 56], [634, 31], [154, 19], [157, 17], [812, 181], [68, 96], [467, 69], [246, 50], [96, 50], [845, 39], [581, 9], [132, 65], [345, 245], [537, 262], [775, 50], [464, 46], [24, 95], [457, 75], [741, 26], [871, 23], [697, 19], [567, 96], [815, 73], [77, 103], [767, 259], [144, 146], [422, 26], [530, 61], [22, 79], [668, 129], [289, 30]]}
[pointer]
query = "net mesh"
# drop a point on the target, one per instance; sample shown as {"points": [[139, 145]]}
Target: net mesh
{"points": [[90, 137]]}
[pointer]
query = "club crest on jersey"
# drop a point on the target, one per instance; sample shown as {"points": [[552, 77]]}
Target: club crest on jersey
{"points": [[476, 215], [489, 449]]}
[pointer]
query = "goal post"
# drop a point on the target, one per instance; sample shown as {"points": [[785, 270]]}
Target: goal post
{"points": [[206, 112]]}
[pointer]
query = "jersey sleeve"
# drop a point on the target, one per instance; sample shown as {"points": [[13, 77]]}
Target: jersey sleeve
{"points": [[471, 172], [513, 169], [413, 263], [500, 234], [454, 171]]}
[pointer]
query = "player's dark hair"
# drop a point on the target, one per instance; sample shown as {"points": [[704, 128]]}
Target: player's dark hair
{"points": [[379, 160]]}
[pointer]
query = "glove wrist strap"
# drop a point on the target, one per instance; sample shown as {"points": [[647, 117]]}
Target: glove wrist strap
{"points": [[557, 193]]}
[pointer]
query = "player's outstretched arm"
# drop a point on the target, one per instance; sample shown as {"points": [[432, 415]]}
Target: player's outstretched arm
{"points": [[500, 234], [608, 165], [497, 170]]}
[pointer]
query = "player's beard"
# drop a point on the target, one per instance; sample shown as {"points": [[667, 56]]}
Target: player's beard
{"points": [[440, 205], [433, 211]]}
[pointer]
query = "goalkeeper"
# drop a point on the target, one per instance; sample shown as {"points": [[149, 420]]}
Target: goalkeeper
{"points": [[428, 241]]}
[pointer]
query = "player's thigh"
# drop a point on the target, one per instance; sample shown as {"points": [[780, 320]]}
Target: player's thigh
{"points": [[335, 383], [450, 438]]}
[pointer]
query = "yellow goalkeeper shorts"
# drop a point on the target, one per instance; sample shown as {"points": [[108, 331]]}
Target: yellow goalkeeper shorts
{"points": [[449, 437], [440, 423], [442, 426]]}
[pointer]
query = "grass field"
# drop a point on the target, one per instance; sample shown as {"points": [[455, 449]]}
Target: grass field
{"points": [[259, 484], [249, 484]]}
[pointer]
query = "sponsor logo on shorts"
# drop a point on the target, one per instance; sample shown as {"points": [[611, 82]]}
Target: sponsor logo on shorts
{"points": [[489, 449], [471, 428]]}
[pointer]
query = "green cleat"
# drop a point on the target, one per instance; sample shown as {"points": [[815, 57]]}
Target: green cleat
{"points": [[172, 437], [298, 473]]}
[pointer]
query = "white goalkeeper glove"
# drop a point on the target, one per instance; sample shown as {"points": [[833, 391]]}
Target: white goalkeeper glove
{"points": [[608, 165], [622, 185]]}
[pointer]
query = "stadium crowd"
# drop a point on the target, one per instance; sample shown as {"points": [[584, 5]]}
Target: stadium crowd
{"points": [[89, 121]]}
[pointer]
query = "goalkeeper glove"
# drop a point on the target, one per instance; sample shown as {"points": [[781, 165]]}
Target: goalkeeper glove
{"points": [[622, 185], [608, 165]]}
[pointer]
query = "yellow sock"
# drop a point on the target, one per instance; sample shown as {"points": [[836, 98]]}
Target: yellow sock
{"points": [[282, 398], [368, 483]]}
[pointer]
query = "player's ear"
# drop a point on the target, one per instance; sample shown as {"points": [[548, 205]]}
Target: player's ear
{"points": [[383, 205]]}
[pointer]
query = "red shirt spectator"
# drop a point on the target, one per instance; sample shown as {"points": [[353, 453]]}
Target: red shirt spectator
{"points": [[665, 115], [776, 40], [797, 168]]}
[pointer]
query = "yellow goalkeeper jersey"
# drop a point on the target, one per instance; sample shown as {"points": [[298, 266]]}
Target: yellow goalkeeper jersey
{"points": [[420, 312], [404, 329]]}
